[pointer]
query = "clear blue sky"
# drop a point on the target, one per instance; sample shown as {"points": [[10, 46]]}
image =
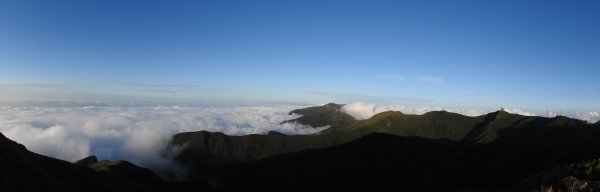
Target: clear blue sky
{"points": [[471, 54]]}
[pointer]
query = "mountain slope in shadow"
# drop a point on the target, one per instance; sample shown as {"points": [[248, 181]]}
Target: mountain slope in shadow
{"points": [[445, 150], [381, 161], [23, 170], [374, 162]]}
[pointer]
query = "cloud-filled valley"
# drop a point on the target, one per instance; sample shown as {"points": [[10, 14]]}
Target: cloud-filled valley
{"points": [[134, 133]]}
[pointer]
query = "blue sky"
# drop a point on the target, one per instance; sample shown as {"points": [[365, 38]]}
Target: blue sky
{"points": [[468, 54]]}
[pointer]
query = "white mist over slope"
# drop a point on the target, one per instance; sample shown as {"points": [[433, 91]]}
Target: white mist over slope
{"points": [[134, 133], [591, 117], [364, 111]]}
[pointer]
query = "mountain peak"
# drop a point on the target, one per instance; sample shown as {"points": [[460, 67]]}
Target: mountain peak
{"points": [[335, 105], [318, 116], [442, 112], [387, 114], [87, 161], [327, 108], [275, 133], [502, 114]]}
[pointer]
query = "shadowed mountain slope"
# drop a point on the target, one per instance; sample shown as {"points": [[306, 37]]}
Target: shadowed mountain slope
{"points": [[448, 150], [374, 162], [379, 161], [22, 170]]}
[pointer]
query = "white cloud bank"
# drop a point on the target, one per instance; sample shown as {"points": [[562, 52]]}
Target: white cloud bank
{"points": [[134, 133], [364, 111], [591, 117], [519, 111]]}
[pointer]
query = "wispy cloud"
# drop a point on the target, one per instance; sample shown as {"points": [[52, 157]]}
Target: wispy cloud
{"points": [[430, 79], [350, 97], [391, 75], [145, 85], [156, 88], [163, 90], [107, 91], [45, 85]]}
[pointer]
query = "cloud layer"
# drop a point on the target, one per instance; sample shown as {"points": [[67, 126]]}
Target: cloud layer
{"points": [[139, 133], [591, 117], [134, 133]]}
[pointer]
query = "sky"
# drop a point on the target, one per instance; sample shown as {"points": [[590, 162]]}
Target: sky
{"points": [[531, 55]]}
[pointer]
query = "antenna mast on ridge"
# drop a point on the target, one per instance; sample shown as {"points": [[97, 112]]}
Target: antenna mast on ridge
{"points": [[554, 113]]}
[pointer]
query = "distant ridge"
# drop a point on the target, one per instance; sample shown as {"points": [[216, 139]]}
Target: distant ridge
{"points": [[490, 152]]}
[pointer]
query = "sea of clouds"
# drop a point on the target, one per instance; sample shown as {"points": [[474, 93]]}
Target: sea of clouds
{"points": [[140, 133], [136, 133]]}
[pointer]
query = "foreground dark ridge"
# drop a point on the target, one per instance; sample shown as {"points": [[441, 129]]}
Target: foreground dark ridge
{"points": [[23, 170], [434, 151]]}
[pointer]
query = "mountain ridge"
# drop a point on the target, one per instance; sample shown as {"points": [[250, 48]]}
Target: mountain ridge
{"points": [[435, 151], [514, 144]]}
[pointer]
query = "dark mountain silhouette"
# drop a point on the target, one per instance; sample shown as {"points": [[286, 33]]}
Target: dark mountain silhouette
{"points": [[22, 170], [434, 151]]}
